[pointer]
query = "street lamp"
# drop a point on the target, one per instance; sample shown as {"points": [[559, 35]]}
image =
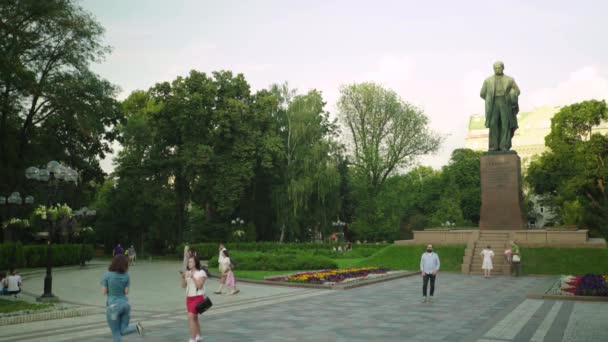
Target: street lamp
{"points": [[339, 225], [53, 175], [83, 213], [237, 221]]}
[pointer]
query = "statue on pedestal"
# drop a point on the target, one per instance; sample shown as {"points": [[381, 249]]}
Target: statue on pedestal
{"points": [[500, 93]]}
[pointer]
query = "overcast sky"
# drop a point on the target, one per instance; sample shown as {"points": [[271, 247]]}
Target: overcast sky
{"points": [[434, 54]]}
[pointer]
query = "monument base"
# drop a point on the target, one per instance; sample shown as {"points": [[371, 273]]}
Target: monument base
{"points": [[501, 192]]}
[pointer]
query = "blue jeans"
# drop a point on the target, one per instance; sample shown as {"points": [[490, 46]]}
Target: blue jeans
{"points": [[118, 314]]}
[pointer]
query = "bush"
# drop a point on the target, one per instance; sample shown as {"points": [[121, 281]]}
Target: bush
{"points": [[15, 255], [245, 260], [408, 257], [210, 249]]}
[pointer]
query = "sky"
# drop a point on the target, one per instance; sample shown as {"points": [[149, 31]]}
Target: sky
{"points": [[434, 54]]}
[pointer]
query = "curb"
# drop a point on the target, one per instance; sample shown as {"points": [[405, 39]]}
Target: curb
{"points": [[45, 316]]}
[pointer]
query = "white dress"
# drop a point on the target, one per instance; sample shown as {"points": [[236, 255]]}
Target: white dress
{"points": [[487, 259]]}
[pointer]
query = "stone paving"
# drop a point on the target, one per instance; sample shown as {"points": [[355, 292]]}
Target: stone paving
{"points": [[466, 308]]}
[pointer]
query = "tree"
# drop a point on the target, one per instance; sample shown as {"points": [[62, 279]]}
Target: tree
{"points": [[50, 102], [309, 175], [387, 134], [573, 173]]}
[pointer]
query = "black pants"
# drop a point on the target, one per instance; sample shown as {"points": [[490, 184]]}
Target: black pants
{"points": [[425, 282], [517, 268]]}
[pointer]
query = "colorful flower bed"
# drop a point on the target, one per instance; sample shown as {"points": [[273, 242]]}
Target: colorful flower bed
{"points": [[587, 285], [327, 277]]}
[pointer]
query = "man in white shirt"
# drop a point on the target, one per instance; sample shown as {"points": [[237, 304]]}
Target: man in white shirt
{"points": [[429, 266]]}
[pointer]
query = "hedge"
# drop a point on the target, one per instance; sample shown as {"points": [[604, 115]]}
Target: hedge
{"points": [[245, 260], [16, 255], [210, 249], [408, 257]]}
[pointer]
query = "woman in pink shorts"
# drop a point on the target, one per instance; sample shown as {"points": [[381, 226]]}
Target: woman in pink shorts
{"points": [[193, 280]]}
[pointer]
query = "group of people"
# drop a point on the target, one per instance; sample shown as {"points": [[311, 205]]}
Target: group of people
{"points": [[129, 252], [10, 283], [512, 257], [429, 266]]}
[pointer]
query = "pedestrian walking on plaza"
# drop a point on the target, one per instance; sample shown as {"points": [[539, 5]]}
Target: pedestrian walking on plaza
{"points": [[118, 250], [115, 286], [429, 266], [131, 253], [229, 274], [516, 258], [221, 260], [193, 280], [486, 266]]}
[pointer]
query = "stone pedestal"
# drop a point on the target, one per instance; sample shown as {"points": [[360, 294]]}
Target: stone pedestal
{"points": [[501, 193]]}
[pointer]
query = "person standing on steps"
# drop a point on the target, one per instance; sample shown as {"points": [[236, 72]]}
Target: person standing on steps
{"points": [[429, 266], [516, 258], [486, 266]]}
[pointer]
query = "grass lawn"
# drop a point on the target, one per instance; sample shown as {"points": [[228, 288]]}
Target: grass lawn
{"points": [[551, 260], [18, 305], [408, 257], [348, 263]]}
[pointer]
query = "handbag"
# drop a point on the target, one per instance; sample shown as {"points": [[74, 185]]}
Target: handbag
{"points": [[516, 258], [204, 305]]}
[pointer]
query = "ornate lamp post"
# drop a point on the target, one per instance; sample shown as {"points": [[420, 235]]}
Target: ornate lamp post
{"points": [[340, 226], [237, 223], [83, 214], [52, 175]]}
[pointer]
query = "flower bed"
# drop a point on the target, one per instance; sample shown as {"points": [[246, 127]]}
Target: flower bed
{"points": [[587, 285], [330, 277]]}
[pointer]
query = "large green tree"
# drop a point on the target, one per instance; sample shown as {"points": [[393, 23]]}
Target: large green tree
{"points": [[306, 195], [51, 105], [574, 172], [386, 134]]}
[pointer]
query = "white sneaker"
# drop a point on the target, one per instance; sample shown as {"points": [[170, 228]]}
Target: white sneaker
{"points": [[140, 329], [424, 300], [430, 299]]}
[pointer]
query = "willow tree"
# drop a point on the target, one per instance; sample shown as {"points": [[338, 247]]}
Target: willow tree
{"points": [[304, 198], [386, 133]]}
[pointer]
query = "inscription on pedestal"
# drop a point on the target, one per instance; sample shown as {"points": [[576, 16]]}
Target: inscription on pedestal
{"points": [[501, 197]]}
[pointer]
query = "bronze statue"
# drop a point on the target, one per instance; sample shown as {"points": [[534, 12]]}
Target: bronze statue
{"points": [[500, 93]]}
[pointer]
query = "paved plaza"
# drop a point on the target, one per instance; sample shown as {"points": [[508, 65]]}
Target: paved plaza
{"points": [[466, 308]]}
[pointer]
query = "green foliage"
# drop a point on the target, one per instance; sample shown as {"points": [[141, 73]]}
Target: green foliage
{"points": [[573, 173], [19, 305], [276, 261], [420, 199], [387, 133], [547, 260], [15, 255], [408, 257], [51, 105], [208, 250]]}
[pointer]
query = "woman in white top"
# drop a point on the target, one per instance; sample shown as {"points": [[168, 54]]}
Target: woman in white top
{"points": [[193, 280], [221, 261], [486, 265]]}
